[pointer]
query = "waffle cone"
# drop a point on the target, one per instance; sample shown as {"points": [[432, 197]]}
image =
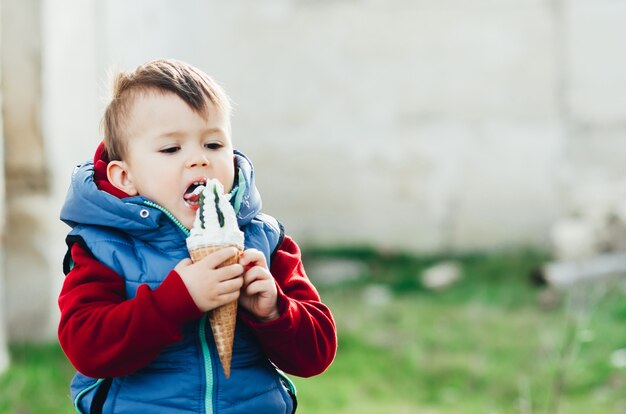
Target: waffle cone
{"points": [[224, 318]]}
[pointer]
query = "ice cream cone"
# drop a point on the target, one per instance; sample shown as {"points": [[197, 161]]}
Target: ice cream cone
{"points": [[224, 318], [214, 228]]}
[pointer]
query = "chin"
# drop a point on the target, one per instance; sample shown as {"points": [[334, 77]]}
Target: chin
{"points": [[187, 216], [187, 221]]}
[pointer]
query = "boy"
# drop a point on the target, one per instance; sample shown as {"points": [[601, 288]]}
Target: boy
{"points": [[133, 305]]}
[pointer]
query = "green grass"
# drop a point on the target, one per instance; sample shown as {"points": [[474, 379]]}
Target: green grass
{"points": [[486, 345], [37, 381]]}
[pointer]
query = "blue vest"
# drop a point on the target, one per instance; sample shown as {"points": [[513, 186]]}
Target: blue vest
{"points": [[187, 376]]}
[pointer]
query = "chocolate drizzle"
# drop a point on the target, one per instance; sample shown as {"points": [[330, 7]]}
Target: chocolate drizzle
{"points": [[201, 212], [220, 215]]}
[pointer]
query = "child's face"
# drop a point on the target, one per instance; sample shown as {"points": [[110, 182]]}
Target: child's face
{"points": [[169, 148]]}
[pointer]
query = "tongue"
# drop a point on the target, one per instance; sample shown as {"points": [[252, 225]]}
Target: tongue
{"points": [[195, 194]]}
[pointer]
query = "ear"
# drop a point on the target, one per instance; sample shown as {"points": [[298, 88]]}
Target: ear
{"points": [[119, 176]]}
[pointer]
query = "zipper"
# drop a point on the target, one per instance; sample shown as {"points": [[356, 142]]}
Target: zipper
{"points": [[290, 385], [204, 346], [168, 214], [83, 392], [208, 367]]}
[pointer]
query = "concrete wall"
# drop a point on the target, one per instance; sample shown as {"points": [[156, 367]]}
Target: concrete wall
{"points": [[4, 355], [29, 302], [417, 125], [421, 125], [70, 120]]}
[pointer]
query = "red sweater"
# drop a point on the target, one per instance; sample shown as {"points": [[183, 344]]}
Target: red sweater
{"points": [[106, 335]]}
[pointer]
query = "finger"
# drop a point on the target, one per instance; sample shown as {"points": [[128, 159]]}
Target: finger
{"points": [[255, 273], [262, 288], [183, 263], [229, 297], [228, 272], [252, 257], [229, 286], [256, 287]]}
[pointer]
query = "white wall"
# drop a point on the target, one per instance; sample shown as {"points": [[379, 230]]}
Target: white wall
{"points": [[29, 288], [70, 116], [417, 125], [4, 355]]}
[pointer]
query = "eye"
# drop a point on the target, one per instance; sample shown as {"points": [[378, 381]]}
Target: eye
{"points": [[213, 145], [169, 150]]}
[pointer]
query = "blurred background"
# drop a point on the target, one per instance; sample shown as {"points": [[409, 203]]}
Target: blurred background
{"points": [[453, 169]]}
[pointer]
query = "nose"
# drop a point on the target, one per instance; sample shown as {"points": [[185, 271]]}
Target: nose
{"points": [[198, 160]]}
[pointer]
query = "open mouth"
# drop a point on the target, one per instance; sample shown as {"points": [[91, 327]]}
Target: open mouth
{"points": [[192, 193]]}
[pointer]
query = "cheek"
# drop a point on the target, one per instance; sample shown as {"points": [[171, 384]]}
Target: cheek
{"points": [[159, 180], [229, 179], [224, 167]]}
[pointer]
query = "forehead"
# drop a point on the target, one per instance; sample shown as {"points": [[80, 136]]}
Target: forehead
{"points": [[156, 109]]}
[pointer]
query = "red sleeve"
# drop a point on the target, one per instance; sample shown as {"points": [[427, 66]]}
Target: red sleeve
{"points": [[105, 335], [303, 340]]}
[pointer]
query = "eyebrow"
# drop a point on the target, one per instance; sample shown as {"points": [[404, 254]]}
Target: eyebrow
{"points": [[209, 131]]}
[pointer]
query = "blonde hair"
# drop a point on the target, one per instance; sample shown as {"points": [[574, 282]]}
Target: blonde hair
{"points": [[192, 85]]}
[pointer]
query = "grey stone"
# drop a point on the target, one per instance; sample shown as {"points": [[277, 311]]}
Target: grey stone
{"points": [[377, 295], [334, 271], [441, 276]]}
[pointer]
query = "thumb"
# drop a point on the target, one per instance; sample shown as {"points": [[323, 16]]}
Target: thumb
{"points": [[184, 263]]}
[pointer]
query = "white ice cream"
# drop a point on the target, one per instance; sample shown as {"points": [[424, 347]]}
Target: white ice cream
{"points": [[216, 222]]}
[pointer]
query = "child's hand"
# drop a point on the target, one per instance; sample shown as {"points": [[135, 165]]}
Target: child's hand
{"points": [[259, 295], [210, 287]]}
